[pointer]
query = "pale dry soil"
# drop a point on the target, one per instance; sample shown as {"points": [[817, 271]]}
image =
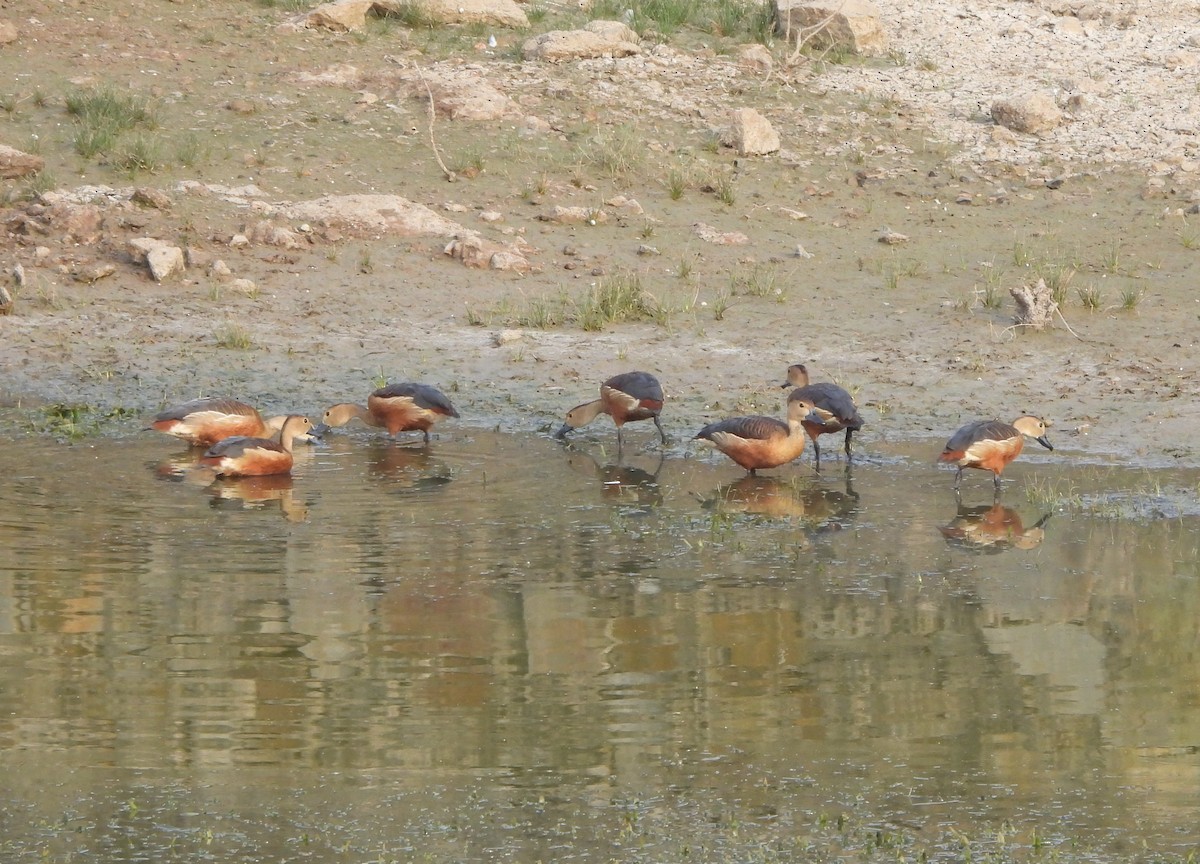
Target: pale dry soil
{"points": [[906, 327]]}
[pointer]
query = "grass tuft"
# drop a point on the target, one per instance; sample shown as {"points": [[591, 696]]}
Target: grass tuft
{"points": [[615, 299], [234, 336]]}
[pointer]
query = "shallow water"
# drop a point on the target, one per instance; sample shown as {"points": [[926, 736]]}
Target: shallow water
{"points": [[499, 648]]}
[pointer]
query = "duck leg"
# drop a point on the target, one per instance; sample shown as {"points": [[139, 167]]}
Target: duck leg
{"points": [[661, 433]]}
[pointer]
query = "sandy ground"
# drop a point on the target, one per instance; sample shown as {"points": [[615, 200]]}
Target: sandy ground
{"points": [[919, 331]]}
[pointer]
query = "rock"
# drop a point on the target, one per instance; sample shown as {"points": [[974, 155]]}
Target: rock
{"points": [[499, 13], [196, 258], [852, 25], [629, 205], [751, 134], [467, 97], [337, 75], [616, 31], [371, 214], [220, 270], [155, 198], [1035, 305], [756, 58], [559, 45], [78, 223], [341, 15], [504, 337], [1068, 25], [507, 260], [1033, 115], [710, 234], [474, 251], [6, 300], [892, 238], [532, 126], [8, 33], [165, 261], [15, 163], [245, 286], [93, 274], [575, 216], [269, 234], [491, 216]]}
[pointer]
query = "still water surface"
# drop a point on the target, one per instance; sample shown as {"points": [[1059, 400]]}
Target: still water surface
{"points": [[498, 648]]}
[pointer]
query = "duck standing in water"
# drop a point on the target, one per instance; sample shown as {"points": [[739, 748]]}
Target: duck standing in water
{"points": [[204, 422], [242, 456], [991, 444], [397, 408], [830, 398], [763, 442], [626, 398]]}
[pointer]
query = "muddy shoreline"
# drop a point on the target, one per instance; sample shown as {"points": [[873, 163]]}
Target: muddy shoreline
{"points": [[920, 331]]}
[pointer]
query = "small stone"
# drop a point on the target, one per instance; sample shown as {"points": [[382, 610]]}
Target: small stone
{"points": [[504, 337], [1033, 115], [93, 274], [751, 134], [165, 261], [239, 241], [155, 198]]}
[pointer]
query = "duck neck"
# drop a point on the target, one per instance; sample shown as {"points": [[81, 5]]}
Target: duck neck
{"points": [[584, 414]]}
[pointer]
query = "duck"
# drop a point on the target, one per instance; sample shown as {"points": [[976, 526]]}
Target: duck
{"points": [[756, 441], [403, 407], [830, 398], [991, 444], [244, 456], [205, 422], [627, 397]]}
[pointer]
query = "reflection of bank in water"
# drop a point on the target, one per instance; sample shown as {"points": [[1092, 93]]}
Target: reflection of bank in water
{"points": [[795, 498], [992, 528]]}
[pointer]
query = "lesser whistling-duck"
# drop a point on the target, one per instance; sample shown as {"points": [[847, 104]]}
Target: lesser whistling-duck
{"points": [[397, 407], [627, 397], [992, 444], [243, 456], [204, 422], [828, 397], [763, 442]]}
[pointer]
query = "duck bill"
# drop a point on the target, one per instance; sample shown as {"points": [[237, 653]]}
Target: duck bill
{"points": [[1045, 442], [561, 434], [814, 418], [320, 430]]}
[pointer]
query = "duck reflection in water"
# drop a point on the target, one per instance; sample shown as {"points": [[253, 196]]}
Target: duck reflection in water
{"points": [[620, 483], [795, 498], [406, 467], [253, 493], [992, 528]]}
